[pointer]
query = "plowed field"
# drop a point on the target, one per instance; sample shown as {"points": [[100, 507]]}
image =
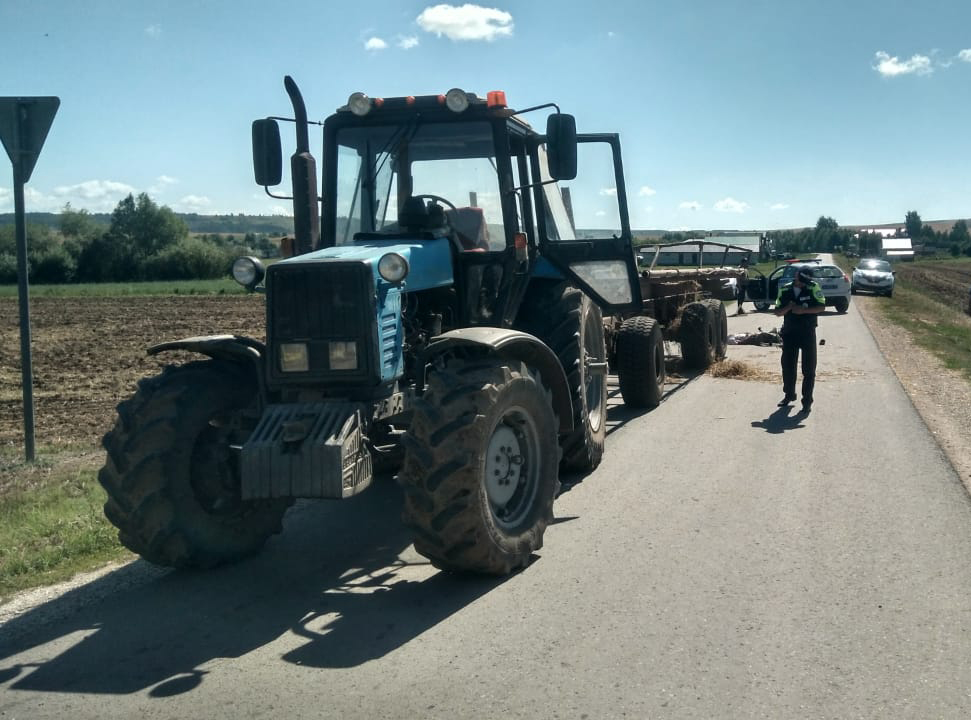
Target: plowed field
{"points": [[945, 283], [88, 354]]}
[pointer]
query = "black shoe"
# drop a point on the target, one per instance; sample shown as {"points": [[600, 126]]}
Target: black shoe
{"points": [[807, 407], [787, 400]]}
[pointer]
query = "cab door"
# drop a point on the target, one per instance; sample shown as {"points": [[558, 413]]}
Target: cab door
{"points": [[600, 260]]}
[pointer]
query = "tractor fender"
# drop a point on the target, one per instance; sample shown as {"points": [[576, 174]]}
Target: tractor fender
{"points": [[220, 347], [232, 348], [512, 345]]}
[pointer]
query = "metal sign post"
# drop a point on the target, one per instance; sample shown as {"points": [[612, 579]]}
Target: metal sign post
{"points": [[24, 123]]}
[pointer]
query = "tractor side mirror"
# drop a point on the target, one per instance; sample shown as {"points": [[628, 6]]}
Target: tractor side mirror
{"points": [[267, 152], [561, 146]]}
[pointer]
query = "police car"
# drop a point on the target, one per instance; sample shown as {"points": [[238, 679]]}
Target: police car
{"points": [[833, 281]]}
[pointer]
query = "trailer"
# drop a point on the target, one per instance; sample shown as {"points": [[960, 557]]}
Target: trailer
{"points": [[683, 305]]}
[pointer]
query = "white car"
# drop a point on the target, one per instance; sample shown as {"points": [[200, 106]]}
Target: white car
{"points": [[873, 275], [832, 280]]}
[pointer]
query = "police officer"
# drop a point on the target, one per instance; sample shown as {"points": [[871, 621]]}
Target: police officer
{"points": [[799, 302]]}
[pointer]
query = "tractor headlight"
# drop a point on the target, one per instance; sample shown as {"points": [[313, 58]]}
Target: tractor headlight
{"points": [[294, 357], [342, 354], [393, 267], [248, 271], [359, 104], [457, 100]]}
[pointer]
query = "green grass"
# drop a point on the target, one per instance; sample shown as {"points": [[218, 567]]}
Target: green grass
{"points": [[935, 327], [222, 286], [51, 522]]}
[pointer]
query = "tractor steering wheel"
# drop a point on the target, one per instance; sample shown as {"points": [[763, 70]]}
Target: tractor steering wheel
{"points": [[436, 198]]}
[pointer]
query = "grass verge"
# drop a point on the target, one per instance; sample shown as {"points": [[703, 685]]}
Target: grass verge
{"points": [[935, 327], [51, 522]]}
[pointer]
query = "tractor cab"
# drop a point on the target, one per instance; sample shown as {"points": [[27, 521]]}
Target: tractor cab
{"points": [[463, 169]]}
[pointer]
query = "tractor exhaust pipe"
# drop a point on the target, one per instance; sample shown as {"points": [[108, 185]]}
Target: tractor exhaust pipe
{"points": [[303, 170]]}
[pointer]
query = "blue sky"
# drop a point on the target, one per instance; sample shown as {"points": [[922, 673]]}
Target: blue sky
{"points": [[745, 115]]}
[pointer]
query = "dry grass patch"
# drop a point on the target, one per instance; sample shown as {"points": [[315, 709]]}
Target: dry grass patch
{"points": [[738, 370]]}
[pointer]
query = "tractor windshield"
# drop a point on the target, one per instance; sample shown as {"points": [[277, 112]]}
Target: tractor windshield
{"points": [[382, 169]]}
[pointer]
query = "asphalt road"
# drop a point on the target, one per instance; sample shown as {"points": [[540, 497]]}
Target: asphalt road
{"points": [[727, 560]]}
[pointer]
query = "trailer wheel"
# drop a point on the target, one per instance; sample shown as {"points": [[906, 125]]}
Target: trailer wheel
{"points": [[697, 335], [640, 362], [572, 325], [172, 476], [721, 328], [480, 471]]}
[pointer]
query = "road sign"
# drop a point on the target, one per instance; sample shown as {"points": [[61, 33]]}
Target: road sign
{"points": [[24, 122]]}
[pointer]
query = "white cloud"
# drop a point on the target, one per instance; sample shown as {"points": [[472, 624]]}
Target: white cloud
{"points": [[192, 203], [779, 206], [730, 204], [94, 190], [375, 43], [407, 43], [646, 191], [892, 66], [610, 192], [153, 31], [160, 184], [965, 55], [690, 205], [466, 22]]}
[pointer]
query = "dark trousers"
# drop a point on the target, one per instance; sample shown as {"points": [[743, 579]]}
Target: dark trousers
{"points": [[792, 344]]}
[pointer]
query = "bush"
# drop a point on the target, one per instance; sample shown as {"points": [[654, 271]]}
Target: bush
{"points": [[53, 267], [189, 259], [8, 268]]}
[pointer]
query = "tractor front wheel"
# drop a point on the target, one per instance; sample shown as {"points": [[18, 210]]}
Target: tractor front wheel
{"points": [[480, 471], [172, 470]]}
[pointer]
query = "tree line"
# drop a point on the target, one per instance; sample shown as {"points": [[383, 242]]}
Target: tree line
{"points": [[828, 236], [142, 241]]}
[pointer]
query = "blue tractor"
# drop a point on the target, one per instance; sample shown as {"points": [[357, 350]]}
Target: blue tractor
{"points": [[439, 318]]}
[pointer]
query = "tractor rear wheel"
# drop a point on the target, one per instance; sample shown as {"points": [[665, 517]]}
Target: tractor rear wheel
{"points": [[640, 362], [697, 335], [480, 471], [172, 474], [569, 322]]}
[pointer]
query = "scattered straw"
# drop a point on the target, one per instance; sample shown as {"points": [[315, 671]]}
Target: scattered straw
{"points": [[738, 370]]}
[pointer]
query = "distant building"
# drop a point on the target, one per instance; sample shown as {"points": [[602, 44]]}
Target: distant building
{"points": [[896, 248], [689, 254]]}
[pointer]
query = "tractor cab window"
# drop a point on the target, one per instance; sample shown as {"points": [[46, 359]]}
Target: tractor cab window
{"points": [[419, 177]]}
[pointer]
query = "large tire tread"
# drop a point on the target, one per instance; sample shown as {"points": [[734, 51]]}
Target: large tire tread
{"points": [[445, 499], [559, 316], [697, 335], [148, 469], [640, 362]]}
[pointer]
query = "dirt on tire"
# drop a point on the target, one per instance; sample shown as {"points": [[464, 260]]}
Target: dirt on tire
{"points": [[89, 353]]}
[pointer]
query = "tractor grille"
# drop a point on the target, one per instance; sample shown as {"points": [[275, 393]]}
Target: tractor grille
{"points": [[316, 303]]}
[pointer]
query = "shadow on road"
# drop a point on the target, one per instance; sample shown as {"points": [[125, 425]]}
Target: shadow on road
{"points": [[780, 421], [335, 580]]}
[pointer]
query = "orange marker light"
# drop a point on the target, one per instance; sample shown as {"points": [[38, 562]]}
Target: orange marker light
{"points": [[496, 98], [441, 99], [378, 102], [410, 100]]}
